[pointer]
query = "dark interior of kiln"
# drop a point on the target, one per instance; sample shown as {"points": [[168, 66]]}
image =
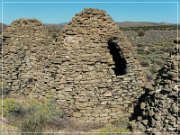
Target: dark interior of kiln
{"points": [[118, 58]]}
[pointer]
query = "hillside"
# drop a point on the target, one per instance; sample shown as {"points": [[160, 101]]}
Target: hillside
{"points": [[140, 24], [4, 26], [127, 25]]}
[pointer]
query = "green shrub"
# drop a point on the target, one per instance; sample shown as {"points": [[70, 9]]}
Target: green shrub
{"points": [[159, 61], [30, 115], [154, 69], [121, 122], [149, 76], [33, 123], [10, 107], [144, 63], [140, 32], [39, 115], [140, 45], [3, 90], [54, 35], [112, 130], [117, 127], [140, 50]]}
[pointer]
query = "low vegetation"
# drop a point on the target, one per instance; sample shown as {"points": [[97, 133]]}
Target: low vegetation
{"points": [[152, 44], [146, 28], [140, 32], [3, 90], [30, 115], [118, 127], [112, 130], [33, 116]]}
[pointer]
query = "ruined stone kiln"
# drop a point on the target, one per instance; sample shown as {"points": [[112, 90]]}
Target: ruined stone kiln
{"points": [[24, 56], [91, 71], [159, 109]]}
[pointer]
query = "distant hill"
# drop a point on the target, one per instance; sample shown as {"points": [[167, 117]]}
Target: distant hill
{"points": [[55, 27], [4, 26], [140, 24], [127, 24]]}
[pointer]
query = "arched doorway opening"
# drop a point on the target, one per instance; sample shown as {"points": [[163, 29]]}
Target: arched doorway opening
{"points": [[118, 58]]}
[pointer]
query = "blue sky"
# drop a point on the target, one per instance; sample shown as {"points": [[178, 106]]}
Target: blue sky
{"points": [[63, 12]]}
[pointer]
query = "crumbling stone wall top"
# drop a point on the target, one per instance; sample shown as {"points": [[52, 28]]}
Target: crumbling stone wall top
{"points": [[26, 22], [25, 28]]}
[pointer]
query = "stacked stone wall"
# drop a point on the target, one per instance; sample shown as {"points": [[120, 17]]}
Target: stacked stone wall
{"points": [[159, 109], [77, 70]]}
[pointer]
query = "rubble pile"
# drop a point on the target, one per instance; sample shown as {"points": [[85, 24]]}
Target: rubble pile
{"points": [[159, 109]]}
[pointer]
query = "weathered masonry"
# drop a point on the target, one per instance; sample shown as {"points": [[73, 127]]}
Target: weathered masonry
{"points": [[92, 70], [159, 109]]}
